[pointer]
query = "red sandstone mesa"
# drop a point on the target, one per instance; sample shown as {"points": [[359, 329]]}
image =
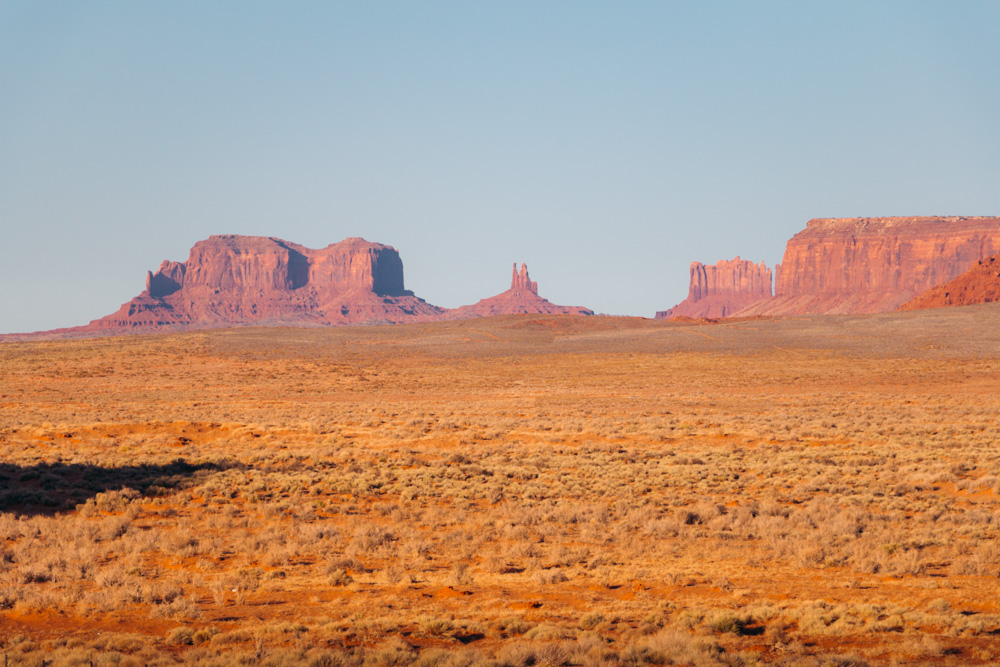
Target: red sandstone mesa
{"points": [[872, 265], [980, 284], [231, 280], [522, 297], [722, 289]]}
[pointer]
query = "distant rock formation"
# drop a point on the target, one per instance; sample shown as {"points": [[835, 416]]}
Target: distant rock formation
{"points": [[521, 281], [237, 280], [232, 280], [980, 284], [872, 265], [522, 297], [722, 289]]}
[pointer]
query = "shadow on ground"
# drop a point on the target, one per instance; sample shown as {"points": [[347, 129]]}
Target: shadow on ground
{"points": [[49, 488]]}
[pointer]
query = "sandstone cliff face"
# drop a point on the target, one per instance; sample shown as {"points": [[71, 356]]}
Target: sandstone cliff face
{"points": [[722, 289], [233, 280], [871, 265], [980, 284], [521, 298], [357, 264], [521, 281]]}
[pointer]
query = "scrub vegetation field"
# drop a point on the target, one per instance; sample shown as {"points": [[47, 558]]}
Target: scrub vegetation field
{"points": [[507, 492]]}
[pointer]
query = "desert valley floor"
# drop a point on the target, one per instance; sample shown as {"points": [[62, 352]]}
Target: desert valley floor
{"points": [[511, 491]]}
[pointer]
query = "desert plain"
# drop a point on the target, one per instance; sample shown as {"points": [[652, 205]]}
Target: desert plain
{"points": [[508, 491]]}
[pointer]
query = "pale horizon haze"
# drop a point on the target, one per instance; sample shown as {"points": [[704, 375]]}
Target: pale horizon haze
{"points": [[607, 145]]}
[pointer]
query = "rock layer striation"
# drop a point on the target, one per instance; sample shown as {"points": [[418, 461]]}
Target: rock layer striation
{"points": [[722, 289], [871, 265]]}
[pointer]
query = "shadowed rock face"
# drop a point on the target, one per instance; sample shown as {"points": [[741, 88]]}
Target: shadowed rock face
{"points": [[980, 284], [722, 289], [233, 279], [871, 265], [522, 297]]}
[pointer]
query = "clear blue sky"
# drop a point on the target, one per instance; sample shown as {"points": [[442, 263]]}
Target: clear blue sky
{"points": [[605, 144]]}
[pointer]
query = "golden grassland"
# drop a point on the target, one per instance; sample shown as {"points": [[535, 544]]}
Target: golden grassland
{"points": [[508, 492]]}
